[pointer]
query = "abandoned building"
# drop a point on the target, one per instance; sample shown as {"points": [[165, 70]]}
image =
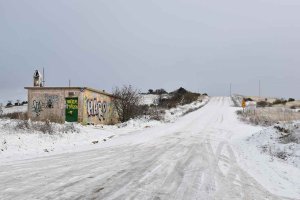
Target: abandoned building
{"points": [[69, 104]]}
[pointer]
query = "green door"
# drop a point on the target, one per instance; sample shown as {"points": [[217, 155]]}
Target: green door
{"points": [[72, 109]]}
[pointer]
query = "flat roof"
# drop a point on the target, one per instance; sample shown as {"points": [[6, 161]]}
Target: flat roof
{"points": [[69, 88]]}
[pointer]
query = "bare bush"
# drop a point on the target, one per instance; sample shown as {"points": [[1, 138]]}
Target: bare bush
{"points": [[289, 138], [236, 101], [282, 155], [126, 102], [279, 101], [263, 104], [156, 113], [269, 116], [190, 97], [23, 125], [47, 127], [15, 115], [179, 97], [69, 128]]}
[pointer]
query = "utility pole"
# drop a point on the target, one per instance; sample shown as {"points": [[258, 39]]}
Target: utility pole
{"points": [[230, 89], [69, 82]]}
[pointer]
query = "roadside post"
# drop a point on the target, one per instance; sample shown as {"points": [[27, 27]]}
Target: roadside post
{"points": [[251, 106], [244, 105]]}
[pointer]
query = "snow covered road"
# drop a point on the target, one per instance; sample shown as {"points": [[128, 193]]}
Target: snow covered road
{"points": [[190, 159]]}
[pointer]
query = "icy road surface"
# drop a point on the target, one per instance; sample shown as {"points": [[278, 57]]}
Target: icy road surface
{"points": [[189, 159]]}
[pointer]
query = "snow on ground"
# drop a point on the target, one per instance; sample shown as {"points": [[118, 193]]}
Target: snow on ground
{"points": [[174, 113], [203, 155], [23, 144], [149, 99], [236, 147], [280, 142], [274, 164], [15, 109], [16, 144]]}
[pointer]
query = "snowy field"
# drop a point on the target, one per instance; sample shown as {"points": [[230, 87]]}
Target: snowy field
{"points": [[206, 154], [15, 109], [272, 163], [149, 99]]}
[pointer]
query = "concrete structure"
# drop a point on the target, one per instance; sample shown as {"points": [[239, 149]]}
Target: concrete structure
{"points": [[70, 104], [37, 79]]}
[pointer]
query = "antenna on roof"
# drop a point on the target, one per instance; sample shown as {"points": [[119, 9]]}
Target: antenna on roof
{"points": [[43, 77]]}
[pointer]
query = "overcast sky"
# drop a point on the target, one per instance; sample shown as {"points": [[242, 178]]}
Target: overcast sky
{"points": [[201, 45]]}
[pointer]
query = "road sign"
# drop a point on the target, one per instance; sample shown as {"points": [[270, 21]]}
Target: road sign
{"points": [[244, 103]]}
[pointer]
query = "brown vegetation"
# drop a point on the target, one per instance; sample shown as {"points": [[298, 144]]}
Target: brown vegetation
{"points": [[15, 115], [126, 102], [268, 116]]}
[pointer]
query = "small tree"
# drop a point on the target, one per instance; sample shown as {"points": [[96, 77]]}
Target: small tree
{"points": [[150, 91], [126, 102], [160, 91], [9, 104]]}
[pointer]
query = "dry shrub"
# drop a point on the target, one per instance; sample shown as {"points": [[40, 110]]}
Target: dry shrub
{"points": [[55, 119], [179, 99], [290, 138], [126, 102], [157, 114], [269, 116], [23, 125], [236, 101], [16, 115], [189, 98], [279, 101], [263, 104], [46, 127]]}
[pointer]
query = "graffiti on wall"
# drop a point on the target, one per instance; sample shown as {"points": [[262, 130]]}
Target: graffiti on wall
{"points": [[97, 108], [47, 102], [37, 107], [51, 100]]}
